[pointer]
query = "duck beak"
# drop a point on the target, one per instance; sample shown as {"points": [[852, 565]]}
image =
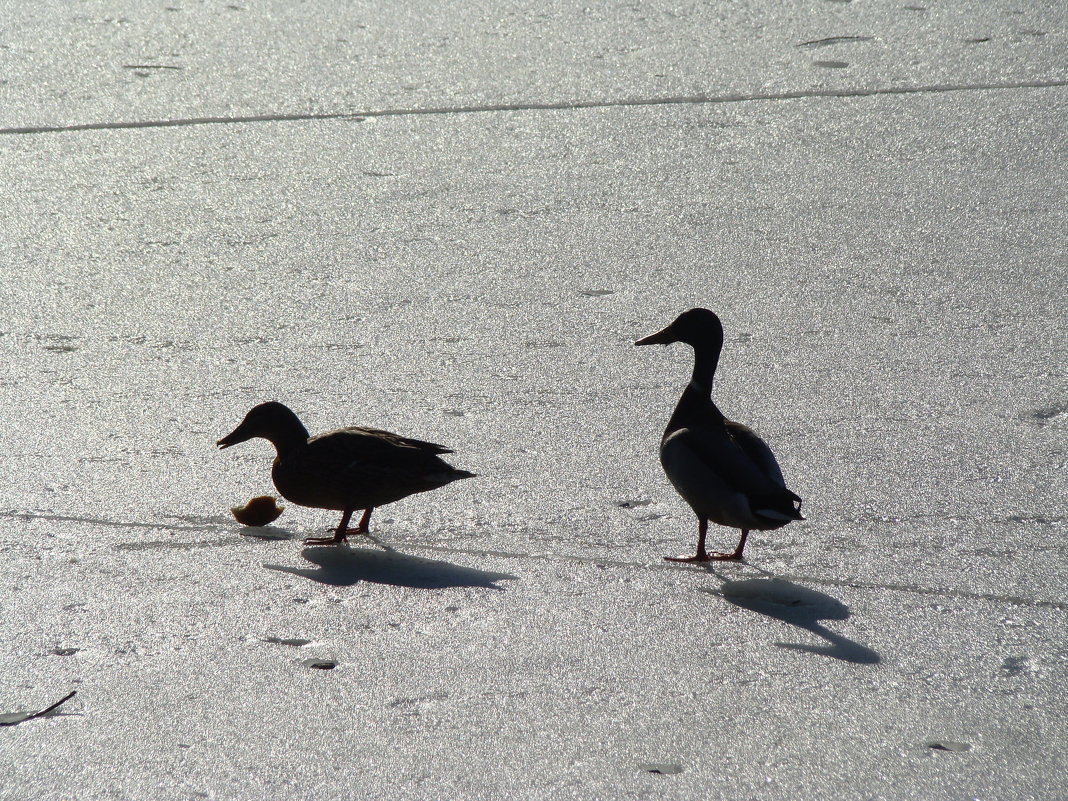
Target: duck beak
{"points": [[659, 338], [233, 438]]}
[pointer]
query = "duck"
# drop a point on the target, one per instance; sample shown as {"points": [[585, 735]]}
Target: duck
{"points": [[346, 470], [721, 468]]}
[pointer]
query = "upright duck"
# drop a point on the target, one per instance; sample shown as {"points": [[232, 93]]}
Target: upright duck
{"points": [[721, 468], [348, 469]]}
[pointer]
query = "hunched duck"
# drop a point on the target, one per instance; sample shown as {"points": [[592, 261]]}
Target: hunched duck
{"points": [[348, 469], [722, 469]]}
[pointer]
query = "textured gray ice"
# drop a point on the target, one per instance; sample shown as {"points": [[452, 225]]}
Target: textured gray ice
{"points": [[890, 270], [108, 61]]}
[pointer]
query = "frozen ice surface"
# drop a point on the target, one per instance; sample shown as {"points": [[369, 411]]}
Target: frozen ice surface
{"points": [[890, 270], [113, 61]]}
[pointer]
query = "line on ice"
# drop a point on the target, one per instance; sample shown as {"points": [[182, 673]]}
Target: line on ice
{"points": [[547, 106], [96, 521], [550, 557], [827, 582]]}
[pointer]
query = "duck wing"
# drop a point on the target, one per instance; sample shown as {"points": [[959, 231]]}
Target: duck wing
{"points": [[760, 454], [397, 439], [756, 449], [382, 465], [361, 468], [717, 450], [368, 453], [724, 473]]}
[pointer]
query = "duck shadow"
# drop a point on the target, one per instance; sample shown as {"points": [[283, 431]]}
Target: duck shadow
{"points": [[799, 606], [344, 567]]}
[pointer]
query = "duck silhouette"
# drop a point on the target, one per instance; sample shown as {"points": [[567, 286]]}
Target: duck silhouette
{"points": [[347, 469], [721, 468]]}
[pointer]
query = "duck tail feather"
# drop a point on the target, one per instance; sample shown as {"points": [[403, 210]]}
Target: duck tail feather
{"points": [[785, 507], [774, 514]]}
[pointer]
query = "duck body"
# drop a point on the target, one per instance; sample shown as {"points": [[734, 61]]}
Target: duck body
{"points": [[721, 468], [360, 467], [344, 470], [727, 474]]}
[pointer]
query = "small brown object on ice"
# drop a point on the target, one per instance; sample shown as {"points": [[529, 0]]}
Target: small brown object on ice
{"points": [[258, 512]]}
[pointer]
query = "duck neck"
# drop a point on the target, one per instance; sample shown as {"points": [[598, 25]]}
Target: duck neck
{"points": [[705, 361], [696, 401], [289, 436]]}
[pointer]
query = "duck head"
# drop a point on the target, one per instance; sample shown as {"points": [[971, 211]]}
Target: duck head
{"points": [[273, 421], [701, 330], [698, 328]]}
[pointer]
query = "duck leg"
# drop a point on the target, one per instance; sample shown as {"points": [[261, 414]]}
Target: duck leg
{"points": [[363, 526], [702, 554], [340, 533], [737, 555]]}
